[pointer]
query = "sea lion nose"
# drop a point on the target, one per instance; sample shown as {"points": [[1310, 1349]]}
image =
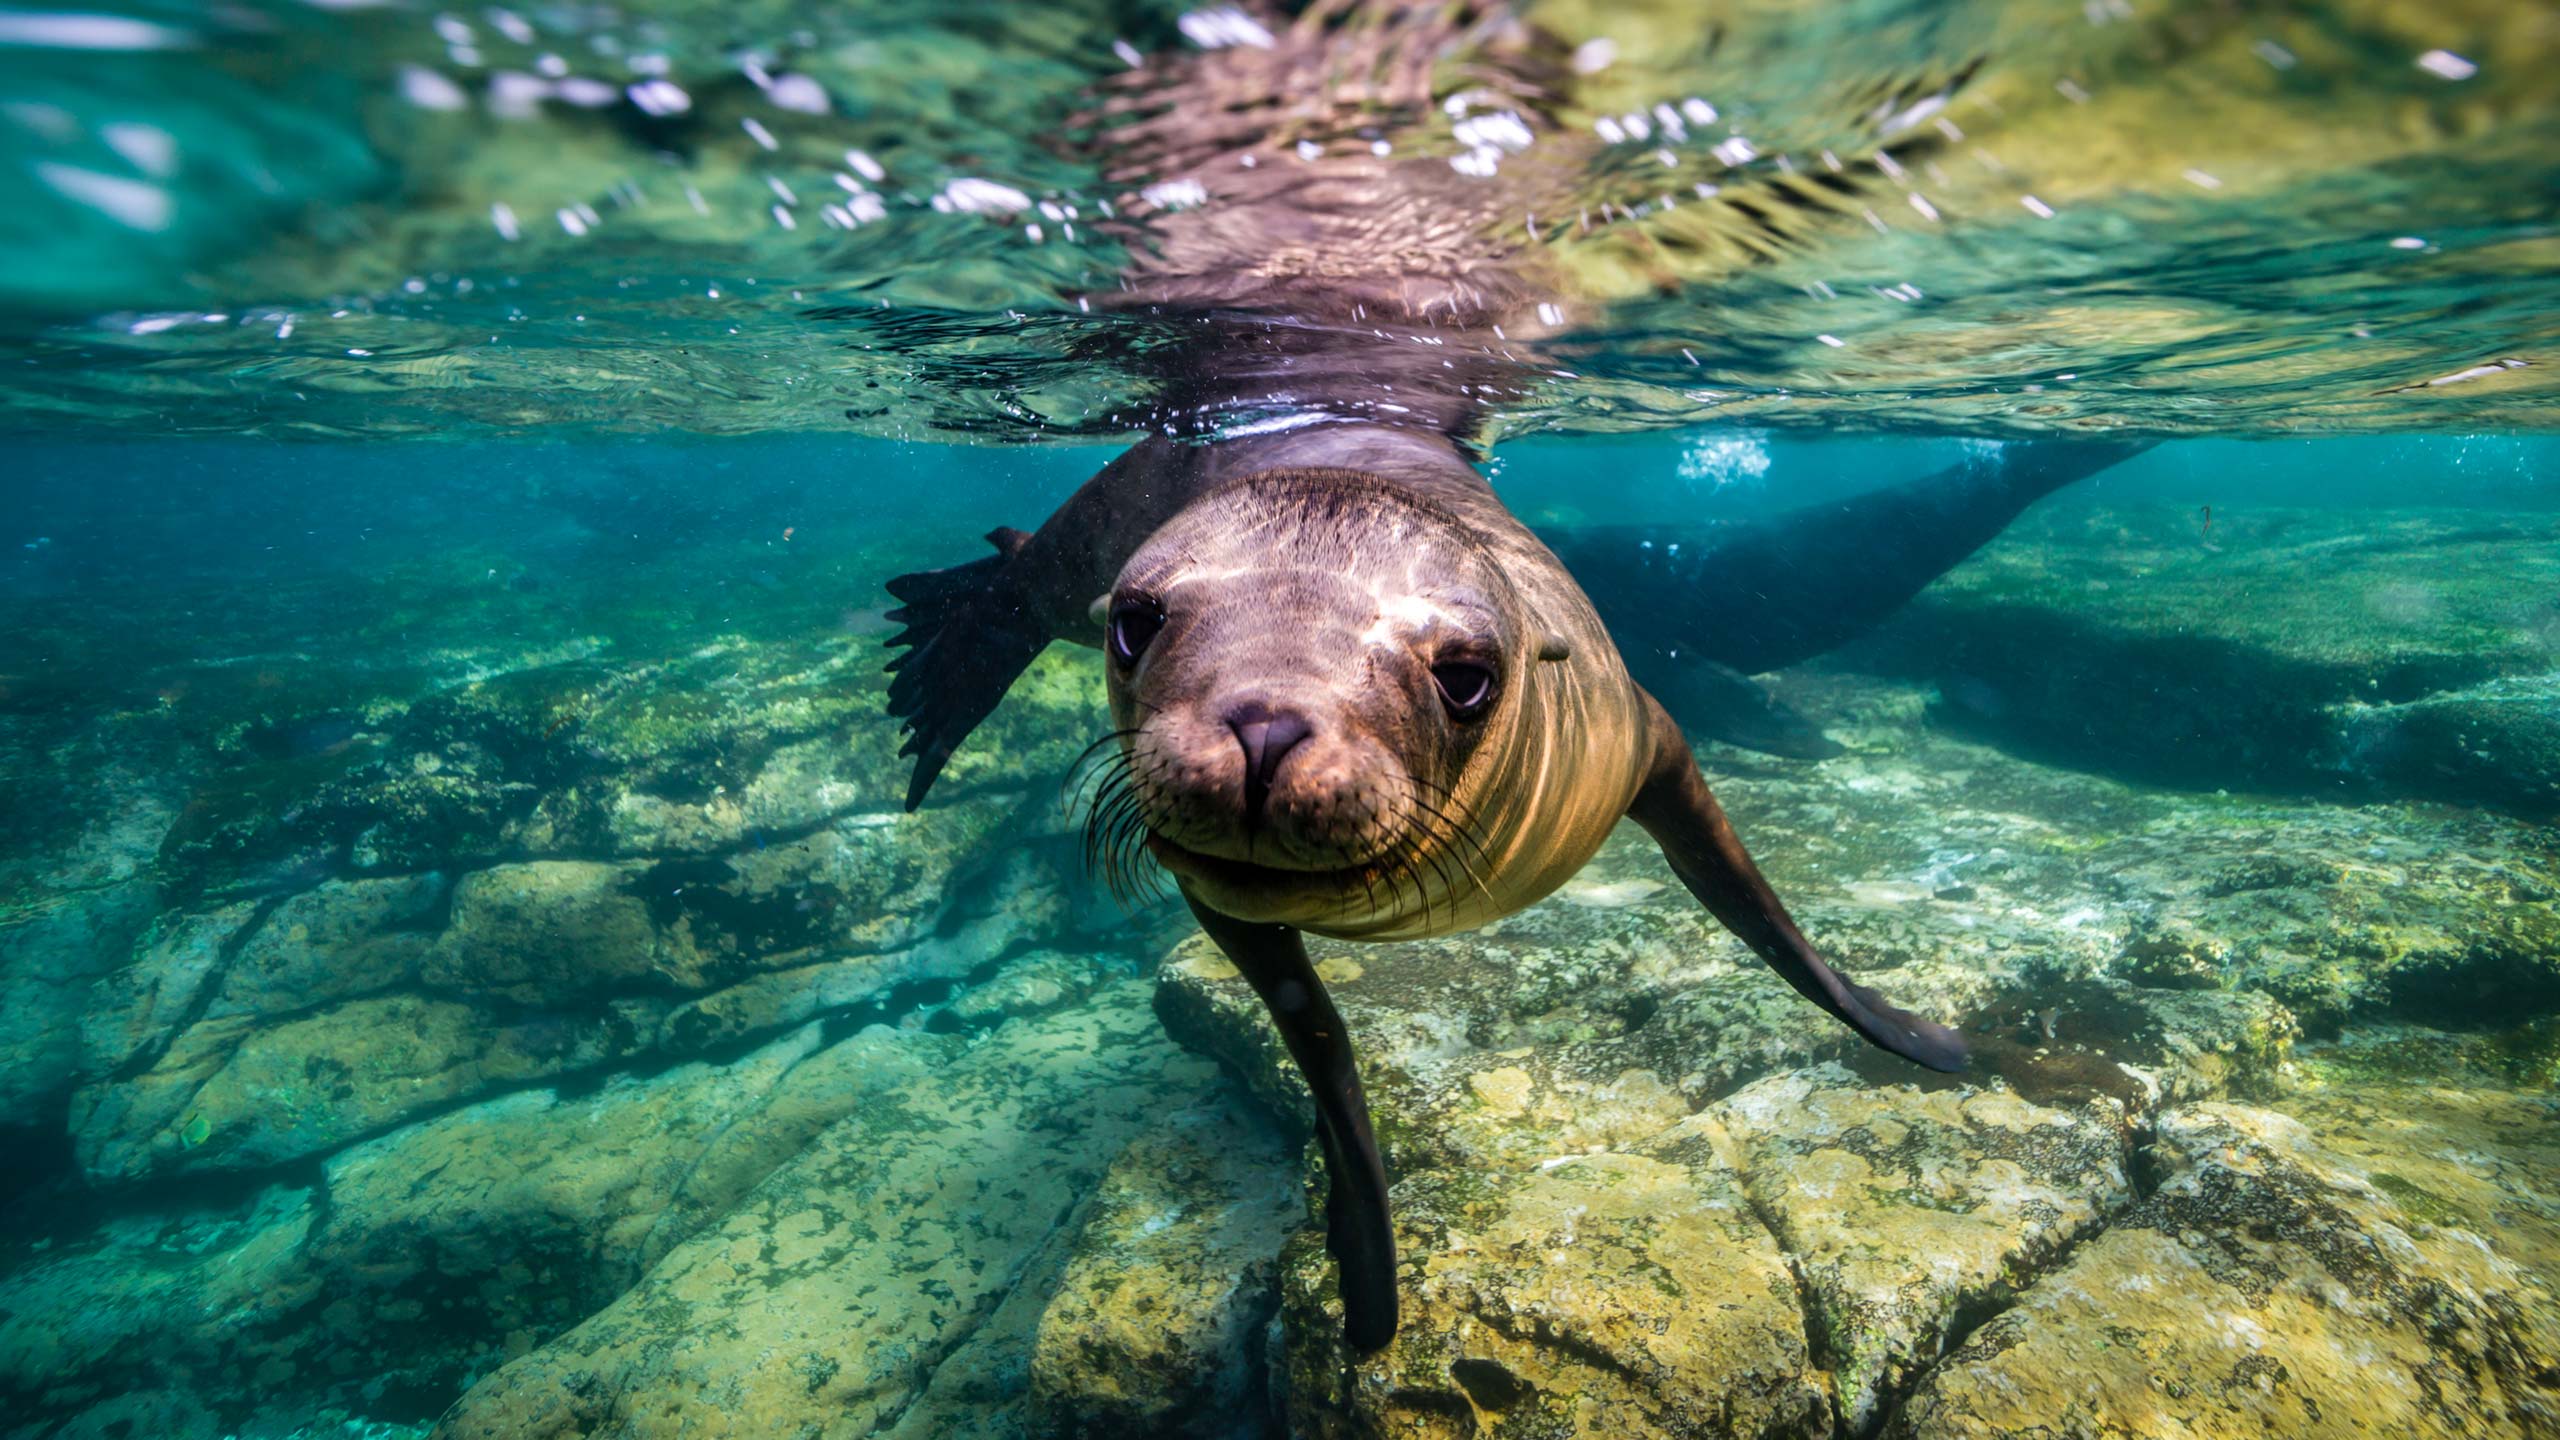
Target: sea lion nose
{"points": [[1266, 736]]}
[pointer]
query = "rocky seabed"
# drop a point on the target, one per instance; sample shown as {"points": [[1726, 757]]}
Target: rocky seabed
{"points": [[595, 1051]]}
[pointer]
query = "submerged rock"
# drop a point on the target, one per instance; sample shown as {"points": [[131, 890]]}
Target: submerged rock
{"points": [[341, 939], [52, 952], [2344, 652], [2496, 743], [241, 1093], [152, 1303], [826, 1300], [71, 909], [2344, 912], [2272, 1285], [1155, 1325], [554, 930], [1596, 1115], [1621, 1294], [1905, 1211], [134, 1011], [418, 1259], [254, 1036]]}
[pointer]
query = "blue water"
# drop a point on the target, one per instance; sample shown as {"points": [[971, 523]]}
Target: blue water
{"points": [[468, 963]]}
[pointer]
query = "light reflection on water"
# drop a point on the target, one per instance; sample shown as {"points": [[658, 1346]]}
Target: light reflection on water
{"points": [[1031, 223]]}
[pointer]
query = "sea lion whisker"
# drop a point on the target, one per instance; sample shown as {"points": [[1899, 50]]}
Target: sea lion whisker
{"points": [[1460, 830], [1094, 784], [1466, 820], [1401, 867], [1112, 826], [1461, 826], [1453, 855], [1077, 764], [1124, 860], [1444, 829]]}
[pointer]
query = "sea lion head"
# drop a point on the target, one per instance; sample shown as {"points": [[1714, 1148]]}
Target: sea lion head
{"points": [[1310, 673]]}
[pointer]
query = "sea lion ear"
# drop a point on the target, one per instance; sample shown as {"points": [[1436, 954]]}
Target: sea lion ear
{"points": [[1099, 612], [1553, 646]]}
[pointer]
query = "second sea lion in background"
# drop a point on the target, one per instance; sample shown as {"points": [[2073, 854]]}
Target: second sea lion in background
{"points": [[1698, 609]]}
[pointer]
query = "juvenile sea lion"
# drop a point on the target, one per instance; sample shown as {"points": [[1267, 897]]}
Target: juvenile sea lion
{"points": [[1351, 695]]}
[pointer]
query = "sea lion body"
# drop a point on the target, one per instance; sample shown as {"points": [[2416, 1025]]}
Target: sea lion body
{"points": [[1352, 696]]}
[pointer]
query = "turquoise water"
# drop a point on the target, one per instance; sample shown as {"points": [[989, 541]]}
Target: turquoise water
{"points": [[469, 963]]}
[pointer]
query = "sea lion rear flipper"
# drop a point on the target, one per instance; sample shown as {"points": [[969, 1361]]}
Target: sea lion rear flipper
{"points": [[1358, 1230], [968, 636], [1722, 702], [1676, 808]]}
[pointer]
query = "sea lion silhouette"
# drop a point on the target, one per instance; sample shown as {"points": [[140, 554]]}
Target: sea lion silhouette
{"points": [[1699, 609]]}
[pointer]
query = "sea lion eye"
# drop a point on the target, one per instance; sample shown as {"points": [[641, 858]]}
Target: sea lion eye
{"points": [[1466, 686], [1135, 619]]}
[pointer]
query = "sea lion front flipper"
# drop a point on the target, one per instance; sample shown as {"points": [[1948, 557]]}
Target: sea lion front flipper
{"points": [[1722, 702], [1358, 1231], [1677, 810], [969, 635]]}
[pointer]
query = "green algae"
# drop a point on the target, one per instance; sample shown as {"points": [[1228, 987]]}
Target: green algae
{"points": [[2421, 1203]]}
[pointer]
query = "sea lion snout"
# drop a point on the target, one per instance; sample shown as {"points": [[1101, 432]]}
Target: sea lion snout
{"points": [[1280, 782], [1266, 735]]}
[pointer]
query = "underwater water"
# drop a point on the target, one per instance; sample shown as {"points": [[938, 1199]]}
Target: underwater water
{"points": [[2081, 479]]}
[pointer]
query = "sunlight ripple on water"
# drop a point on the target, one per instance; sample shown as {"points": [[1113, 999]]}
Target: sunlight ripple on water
{"points": [[909, 218]]}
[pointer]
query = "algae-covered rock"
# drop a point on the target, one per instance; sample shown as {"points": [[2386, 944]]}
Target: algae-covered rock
{"points": [[241, 1092], [341, 939], [78, 887], [2496, 743], [2274, 1285], [1904, 1210], [440, 1249], [1034, 981], [1568, 1025], [53, 950], [1155, 1326], [362, 1003], [1615, 1294], [825, 1300], [980, 1387], [135, 1010], [2138, 642], [532, 1234], [1539, 1071], [152, 1299], [1922, 843], [555, 929]]}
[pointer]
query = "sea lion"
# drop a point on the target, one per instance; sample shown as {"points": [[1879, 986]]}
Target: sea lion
{"points": [[1698, 609], [1352, 695]]}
